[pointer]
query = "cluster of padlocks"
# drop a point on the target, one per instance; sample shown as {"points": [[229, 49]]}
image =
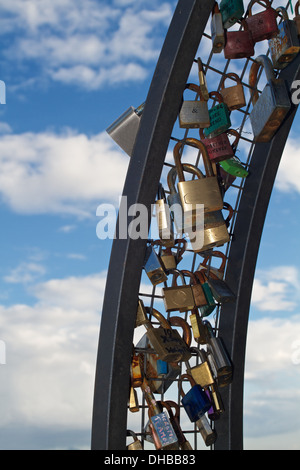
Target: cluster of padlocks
{"points": [[161, 354]]}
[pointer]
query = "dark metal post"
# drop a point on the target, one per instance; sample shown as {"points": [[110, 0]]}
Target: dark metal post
{"points": [[120, 302]]}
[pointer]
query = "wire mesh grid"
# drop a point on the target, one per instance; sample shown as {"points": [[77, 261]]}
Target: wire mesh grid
{"points": [[215, 68]]}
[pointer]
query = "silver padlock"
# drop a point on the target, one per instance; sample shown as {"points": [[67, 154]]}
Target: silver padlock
{"points": [[124, 129]]}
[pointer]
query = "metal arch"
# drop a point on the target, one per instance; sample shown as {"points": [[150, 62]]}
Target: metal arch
{"points": [[123, 281], [241, 268]]}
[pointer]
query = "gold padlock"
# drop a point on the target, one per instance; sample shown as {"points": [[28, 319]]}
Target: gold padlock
{"points": [[202, 81], [136, 444], [198, 327], [233, 96], [133, 403], [178, 298], [204, 191], [163, 216]]}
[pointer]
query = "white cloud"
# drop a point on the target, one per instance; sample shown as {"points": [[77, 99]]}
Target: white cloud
{"points": [[25, 273], [85, 43], [276, 289], [288, 178], [67, 173]]}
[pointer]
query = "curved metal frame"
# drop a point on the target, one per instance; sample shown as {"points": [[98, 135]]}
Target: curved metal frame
{"points": [[127, 256], [241, 268]]}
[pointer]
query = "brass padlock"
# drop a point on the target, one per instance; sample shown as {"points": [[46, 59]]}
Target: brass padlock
{"points": [[133, 402], [198, 327], [163, 217], [216, 228], [284, 47], [124, 130], [208, 268], [233, 96], [217, 30], [198, 293], [136, 444], [136, 370], [202, 81], [171, 256], [204, 191], [166, 342], [153, 267], [297, 17], [194, 114], [178, 298], [271, 107]]}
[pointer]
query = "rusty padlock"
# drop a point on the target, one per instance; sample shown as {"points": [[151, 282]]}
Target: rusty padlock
{"points": [[239, 44], [263, 25], [284, 47], [233, 96]]}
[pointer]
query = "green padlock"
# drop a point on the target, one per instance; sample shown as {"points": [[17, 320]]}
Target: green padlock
{"points": [[211, 304], [234, 167], [219, 117], [232, 11]]}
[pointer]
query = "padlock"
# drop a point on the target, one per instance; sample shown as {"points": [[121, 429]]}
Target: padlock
{"points": [[202, 81], [198, 293], [263, 25], [187, 337], [124, 129], [271, 107], [194, 114], [220, 357], [208, 434], [206, 266], [198, 327], [164, 436], [153, 367], [203, 375], [182, 440], [297, 17], [234, 167], [219, 148], [171, 257], [163, 217], [182, 220], [136, 370], [133, 403], [232, 11], [166, 342], [216, 228], [199, 191], [233, 96], [195, 402], [220, 289], [210, 306], [153, 267], [140, 314], [219, 116], [239, 44], [225, 179], [284, 47], [217, 30], [136, 444], [178, 298]]}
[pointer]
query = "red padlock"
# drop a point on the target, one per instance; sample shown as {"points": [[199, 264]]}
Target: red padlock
{"points": [[219, 148], [239, 44], [263, 25]]}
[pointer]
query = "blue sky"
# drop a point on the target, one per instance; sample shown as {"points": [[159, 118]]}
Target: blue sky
{"points": [[71, 68]]}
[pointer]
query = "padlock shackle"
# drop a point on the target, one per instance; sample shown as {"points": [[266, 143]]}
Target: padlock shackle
{"points": [[231, 212], [200, 276], [191, 275], [217, 254], [180, 166], [232, 76], [176, 273], [178, 321], [161, 193], [236, 135], [196, 89], [169, 404], [181, 378], [172, 175], [260, 61], [266, 2], [199, 352], [149, 397], [161, 319], [216, 96], [284, 14]]}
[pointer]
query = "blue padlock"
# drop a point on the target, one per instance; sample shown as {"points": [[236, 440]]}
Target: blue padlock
{"points": [[195, 402]]}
